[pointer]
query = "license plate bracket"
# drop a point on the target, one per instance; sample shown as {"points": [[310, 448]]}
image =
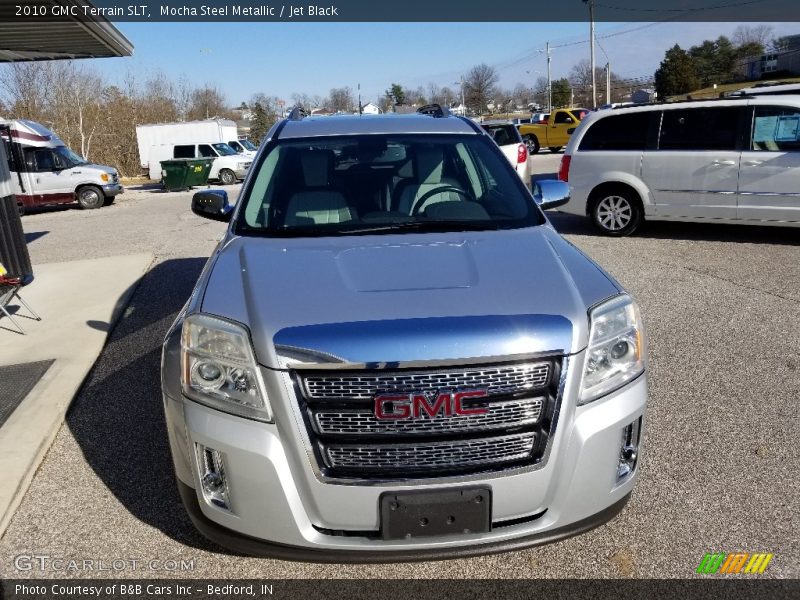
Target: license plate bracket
{"points": [[406, 515]]}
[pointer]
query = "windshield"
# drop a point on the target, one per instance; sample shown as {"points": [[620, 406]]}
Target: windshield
{"points": [[69, 157], [377, 184], [248, 145], [224, 149]]}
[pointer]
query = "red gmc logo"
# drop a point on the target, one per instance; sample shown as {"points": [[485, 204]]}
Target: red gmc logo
{"points": [[415, 405]]}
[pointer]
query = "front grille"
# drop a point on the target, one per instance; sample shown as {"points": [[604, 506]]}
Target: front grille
{"points": [[431, 456], [363, 422], [350, 442], [496, 380]]}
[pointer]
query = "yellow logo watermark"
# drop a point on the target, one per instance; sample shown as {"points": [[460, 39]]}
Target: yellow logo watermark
{"points": [[734, 563]]}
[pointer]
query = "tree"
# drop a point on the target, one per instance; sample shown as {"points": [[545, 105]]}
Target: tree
{"points": [[479, 86], [396, 93], [207, 102], [714, 61], [676, 74], [260, 123], [416, 97], [561, 92], [341, 99], [752, 34]]}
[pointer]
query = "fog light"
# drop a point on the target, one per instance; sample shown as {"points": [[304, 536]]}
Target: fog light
{"points": [[212, 477], [629, 450]]}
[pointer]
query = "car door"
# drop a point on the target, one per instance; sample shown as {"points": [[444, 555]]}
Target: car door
{"points": [[47, 176], [694, 170], [557, 129], [769, 176]]}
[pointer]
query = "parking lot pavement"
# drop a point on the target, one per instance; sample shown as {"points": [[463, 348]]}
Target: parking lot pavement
{"points": [[720, 463]]}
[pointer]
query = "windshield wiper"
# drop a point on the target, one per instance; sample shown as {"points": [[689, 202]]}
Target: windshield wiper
{"points": [[425, 226]]}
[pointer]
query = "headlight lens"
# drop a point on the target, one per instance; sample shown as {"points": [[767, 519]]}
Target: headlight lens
{"points": [[616, 348], [218, 368], [105, 177]]}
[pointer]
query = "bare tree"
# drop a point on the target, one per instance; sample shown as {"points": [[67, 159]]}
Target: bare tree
{"points": [[479, 86], [745, 35], [207, 102], [341, 99]]}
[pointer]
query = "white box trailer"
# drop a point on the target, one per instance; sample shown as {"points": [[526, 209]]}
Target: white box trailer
{"points": [[209, 131]]}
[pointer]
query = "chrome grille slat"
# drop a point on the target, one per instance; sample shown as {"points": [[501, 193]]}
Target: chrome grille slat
{"points": [[501, 415], [504, 379], [431, 456]]}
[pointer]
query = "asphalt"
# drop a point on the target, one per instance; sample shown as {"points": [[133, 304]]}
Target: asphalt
{"points": [[720, 463]]}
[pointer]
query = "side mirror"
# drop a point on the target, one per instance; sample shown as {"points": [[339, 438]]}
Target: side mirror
{"points": [[212, 204], [569, 120], [550, 193]]}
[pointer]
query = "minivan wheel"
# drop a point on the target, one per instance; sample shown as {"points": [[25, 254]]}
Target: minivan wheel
{"points": [[532, 143], [90, 197], [617, 213], [227, 177], [554, 149]]}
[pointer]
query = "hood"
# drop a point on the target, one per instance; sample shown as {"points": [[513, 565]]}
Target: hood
{"points": [[407, 298], [101, 168]]}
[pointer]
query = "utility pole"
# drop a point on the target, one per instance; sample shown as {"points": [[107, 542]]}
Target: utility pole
{"points": [[360, 112], [591, 51], [463, 104], [608, 83], [549, 82]]}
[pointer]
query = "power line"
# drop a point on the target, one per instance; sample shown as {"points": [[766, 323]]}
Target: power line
{"points": [[679, 10]]}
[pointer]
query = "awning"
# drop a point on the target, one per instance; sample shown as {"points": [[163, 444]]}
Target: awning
{"points": [[48, 38]]}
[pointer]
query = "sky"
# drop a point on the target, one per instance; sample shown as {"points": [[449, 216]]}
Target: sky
{"points": [[279, 59]]}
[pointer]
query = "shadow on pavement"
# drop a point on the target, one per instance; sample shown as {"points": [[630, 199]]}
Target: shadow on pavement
{"points": [[117, 418], [568, 224], [32, 236]]}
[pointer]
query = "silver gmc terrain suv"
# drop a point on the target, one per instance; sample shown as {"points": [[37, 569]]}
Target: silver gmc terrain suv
{"points": [[392, 354]]}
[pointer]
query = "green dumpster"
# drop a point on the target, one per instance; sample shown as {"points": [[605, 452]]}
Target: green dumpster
{"points": [[183, 173]]}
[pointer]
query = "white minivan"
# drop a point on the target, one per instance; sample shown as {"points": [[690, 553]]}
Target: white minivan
{"points": [[734, 160]]}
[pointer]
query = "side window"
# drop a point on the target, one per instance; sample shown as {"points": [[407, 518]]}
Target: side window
{"points": [[235, 146], [183, 152], [257, 208], [617, 132], [776, 129], [206, 151], [708, 128], [42, 159], [562, 117]]}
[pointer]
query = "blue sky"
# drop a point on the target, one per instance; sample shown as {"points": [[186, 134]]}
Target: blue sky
{"points": [[281, 58]]}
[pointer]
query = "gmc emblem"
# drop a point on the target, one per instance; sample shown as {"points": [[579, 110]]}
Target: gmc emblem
{"points": [[415, 405]]}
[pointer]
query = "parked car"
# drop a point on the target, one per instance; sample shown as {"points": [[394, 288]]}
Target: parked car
{"points": [[554, 131], [392, 354], [506, 136], [227, 168], [45, 171], [714, 161]]}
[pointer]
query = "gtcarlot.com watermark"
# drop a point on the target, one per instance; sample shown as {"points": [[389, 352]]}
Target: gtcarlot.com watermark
{"points": [[55, 564]]}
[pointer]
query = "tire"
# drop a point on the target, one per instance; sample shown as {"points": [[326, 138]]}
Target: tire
{"points": [[532, 142], [554, 149], [617, 212], [227, 177], [90, 197], [21, 209]]}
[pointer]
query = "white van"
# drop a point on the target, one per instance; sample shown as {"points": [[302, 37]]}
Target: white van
{"points": [[227, 166], [44, 171], [734, 160], [243, 146]]}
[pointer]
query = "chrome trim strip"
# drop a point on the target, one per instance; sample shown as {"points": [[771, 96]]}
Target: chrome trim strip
{"points": [[788, 194], [720, 192], [390, 343]]}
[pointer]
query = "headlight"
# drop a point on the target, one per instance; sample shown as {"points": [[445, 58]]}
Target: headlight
{"points": [[105, 177], [616, 348], [218, 368], [242, 166]]}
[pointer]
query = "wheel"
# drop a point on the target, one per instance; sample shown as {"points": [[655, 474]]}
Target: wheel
{"points": [[554, 149], [617, 212], [21, 209], [227, 177], [532, 142], [90, 197], [109, 200]]}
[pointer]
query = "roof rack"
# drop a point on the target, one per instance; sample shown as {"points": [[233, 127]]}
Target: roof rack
{"points": [[433, 110], [297, 113]]}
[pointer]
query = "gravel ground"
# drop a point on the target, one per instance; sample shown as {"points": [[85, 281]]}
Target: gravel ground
{"points": [[720, 469]]}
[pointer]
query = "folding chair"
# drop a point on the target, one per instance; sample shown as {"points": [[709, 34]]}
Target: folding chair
{"points": [[9, 289]]}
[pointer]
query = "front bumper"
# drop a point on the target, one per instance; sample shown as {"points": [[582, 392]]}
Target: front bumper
{"points": [[241, 173], [112, 189], [280, 507]]}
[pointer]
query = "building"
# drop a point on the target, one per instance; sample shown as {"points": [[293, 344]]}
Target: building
{"points": [[775, 64], [370, 109], [643, 96]]}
